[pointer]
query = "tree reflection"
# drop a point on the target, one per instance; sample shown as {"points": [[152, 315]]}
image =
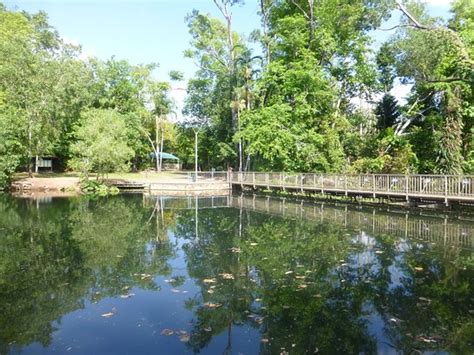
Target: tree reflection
{"points": [[302, 285], [56, 257], [309, 286]]}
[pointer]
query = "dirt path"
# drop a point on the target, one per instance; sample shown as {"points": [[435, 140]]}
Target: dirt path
{"points": [[48, 184]]}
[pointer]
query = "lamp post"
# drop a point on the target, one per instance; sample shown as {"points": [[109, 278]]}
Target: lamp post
{"points": [[196, 131]]}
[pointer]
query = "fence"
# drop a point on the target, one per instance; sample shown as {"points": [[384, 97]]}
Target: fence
{"points": [[446, 187]]}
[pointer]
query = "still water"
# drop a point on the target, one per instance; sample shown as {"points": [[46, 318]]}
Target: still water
{"points": [[234, 275]]}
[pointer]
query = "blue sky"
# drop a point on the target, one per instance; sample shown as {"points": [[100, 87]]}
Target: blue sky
{"points": [[144, 31], [140, 31]]}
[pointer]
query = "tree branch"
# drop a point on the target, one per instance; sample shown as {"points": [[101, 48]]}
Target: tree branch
{"points": [[301, 9], [397, 26], [411, 17], [449, 80]]}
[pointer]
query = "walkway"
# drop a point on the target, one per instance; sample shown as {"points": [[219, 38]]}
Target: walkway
{"points": [[444, 188]]}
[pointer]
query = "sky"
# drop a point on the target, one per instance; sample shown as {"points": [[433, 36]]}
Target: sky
{"points": [[146, 31]]}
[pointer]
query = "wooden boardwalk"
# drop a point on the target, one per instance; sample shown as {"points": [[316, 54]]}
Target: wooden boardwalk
{"points": [[445, 188]]}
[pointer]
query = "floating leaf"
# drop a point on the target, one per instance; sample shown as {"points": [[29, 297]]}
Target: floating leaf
{"points": [[185, 338], [418, 268], [175, 290], [212, 305], [107, 315], [167, 332], [127, 295], [227, 276], [264, 340], [289, 272], [209, 281]]}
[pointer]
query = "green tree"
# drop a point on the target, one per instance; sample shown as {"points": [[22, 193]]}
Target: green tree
{"points": [[318, 61], [102, 144], [436, 58], [387, 112]]}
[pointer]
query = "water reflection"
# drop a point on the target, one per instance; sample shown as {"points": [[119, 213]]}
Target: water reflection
{"points": [[229, 275]]}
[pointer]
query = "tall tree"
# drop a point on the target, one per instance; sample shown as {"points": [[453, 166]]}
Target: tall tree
{"points": [[319, 61], [437, 59], [213, 92]]}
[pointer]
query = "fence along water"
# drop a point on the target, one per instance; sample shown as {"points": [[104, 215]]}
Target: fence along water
{"points": [[437, 187]]}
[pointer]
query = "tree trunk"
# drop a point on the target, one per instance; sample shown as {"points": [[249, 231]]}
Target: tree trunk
{"points": [[223, 7], [30, 153], [161, 150], [157, 144], [264, 10]]}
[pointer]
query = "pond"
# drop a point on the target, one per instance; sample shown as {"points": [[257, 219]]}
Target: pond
{"points": [[135, 274]]}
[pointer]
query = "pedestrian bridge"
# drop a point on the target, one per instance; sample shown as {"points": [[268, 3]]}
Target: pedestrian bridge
{"points": [[445, 188]]}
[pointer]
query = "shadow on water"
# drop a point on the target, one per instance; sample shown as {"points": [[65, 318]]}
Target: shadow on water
{"points": [[231, 274]]}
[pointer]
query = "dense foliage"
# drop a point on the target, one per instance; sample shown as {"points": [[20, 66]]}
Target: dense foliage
{"points": [[294, 106], [108, 115]]}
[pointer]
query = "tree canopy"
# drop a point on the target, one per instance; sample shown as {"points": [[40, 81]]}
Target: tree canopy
{"points": [[294, 104]]}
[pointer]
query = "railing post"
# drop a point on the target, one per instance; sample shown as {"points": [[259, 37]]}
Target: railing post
{"points": [[267, 179], [253, 179], [301, 182], [406, 188], [345, 184], [373, 185], [446, 190]]}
